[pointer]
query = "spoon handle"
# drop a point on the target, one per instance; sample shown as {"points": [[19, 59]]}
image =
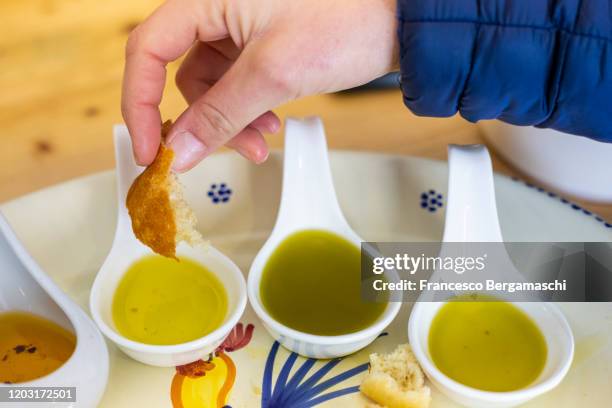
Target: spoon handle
{"points": [[308, 199], [126, 171], [471, 213]]}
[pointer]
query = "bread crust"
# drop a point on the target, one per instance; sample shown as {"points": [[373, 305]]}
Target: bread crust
{"points": [[395, 380], [148, 203]]}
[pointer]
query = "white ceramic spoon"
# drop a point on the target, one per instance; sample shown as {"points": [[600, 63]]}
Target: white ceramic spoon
{"points": [[471, 216], [126, 249], [309, 202], [25, 287]]}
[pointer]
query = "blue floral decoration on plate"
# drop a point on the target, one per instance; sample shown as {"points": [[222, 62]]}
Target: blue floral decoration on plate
{"points": [[304, 388], [432, 200], [219, 193]]}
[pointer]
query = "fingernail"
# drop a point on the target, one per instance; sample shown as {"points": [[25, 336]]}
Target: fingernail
{"points": [[263, 157], [138, 161], [188, 150], [255, 156]]}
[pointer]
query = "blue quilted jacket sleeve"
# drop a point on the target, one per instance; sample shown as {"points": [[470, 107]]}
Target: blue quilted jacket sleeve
{"points": [[546, 63]]}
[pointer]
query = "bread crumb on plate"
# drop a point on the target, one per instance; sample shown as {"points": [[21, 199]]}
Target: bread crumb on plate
{"points": [[395, 380], [161, 218]]}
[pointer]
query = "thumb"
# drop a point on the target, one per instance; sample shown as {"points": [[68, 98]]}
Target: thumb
{"points": [[251, 87]]}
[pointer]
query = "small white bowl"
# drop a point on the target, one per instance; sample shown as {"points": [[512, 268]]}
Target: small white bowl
{"points": [[103, 291], [323, 347], [305, 344], [559, 342]]}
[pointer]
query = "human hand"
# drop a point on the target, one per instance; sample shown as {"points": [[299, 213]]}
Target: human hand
{"points": [[245, 58]]}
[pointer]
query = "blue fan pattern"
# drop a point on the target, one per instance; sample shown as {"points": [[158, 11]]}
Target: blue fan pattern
{"points": [[299, 391]]}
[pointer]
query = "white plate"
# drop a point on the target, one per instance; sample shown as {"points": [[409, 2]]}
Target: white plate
{"points": [[69, 228]]}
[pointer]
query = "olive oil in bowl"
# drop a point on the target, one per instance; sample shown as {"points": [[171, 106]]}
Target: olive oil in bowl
{"points": [[487, 344], [31, 346], [161, 301], [312, 283]]}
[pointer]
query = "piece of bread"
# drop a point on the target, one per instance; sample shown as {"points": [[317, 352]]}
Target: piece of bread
{"points": [[396, 380], [161, 218]]}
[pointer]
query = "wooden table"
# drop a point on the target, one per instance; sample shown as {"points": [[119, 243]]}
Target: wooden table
{"points": [[62, 63]]}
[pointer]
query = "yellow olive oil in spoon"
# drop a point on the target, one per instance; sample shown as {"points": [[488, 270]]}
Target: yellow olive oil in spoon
{"points": [[162, 301], [487, 344], [312, 283], [31, 346]]}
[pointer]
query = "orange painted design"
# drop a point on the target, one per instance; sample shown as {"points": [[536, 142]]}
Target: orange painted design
{"points": [[229, 379], [175, 391], [207, 384], [195, 369]]}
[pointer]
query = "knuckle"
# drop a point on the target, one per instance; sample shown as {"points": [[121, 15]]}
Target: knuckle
{"points": [[213, 118], [278, 76]]}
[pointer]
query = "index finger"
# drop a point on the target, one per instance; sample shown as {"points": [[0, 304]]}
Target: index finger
{"points": [[163, 37]]}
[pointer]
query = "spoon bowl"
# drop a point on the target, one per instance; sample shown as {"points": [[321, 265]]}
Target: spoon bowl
{"points": [[126, 249], [309, 202], [25, 287]]}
